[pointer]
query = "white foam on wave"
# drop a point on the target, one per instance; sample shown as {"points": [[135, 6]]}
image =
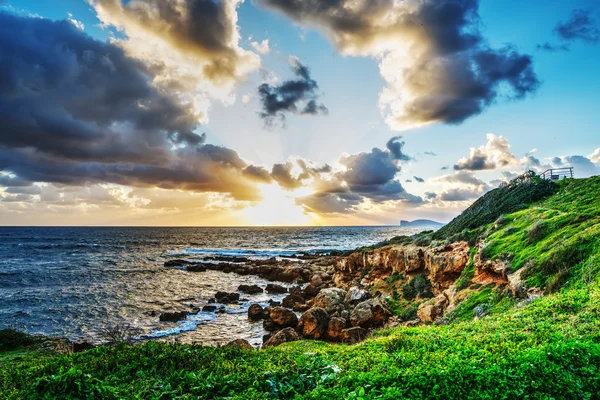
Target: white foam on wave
{"points": [[190, 323], [247, 253]]}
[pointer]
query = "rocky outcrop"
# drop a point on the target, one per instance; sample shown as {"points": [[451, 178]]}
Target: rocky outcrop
{"points": [[331, 300], [356, 295], [353, 335], [283, 336], [335, 327], [372, 313], [433, 309], [314, 323], [444, 264], [275, 289]]}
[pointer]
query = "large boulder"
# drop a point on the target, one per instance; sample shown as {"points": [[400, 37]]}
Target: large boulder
{"points": [[371, 313], [283, 336], [356, 295], [172, 316], [353, 335], [283, 318], [313, 323], [432, 309], [250, 289], [275, 288], [240, 343], [335, 328], [331, 300], [256, 312], [291, 300]]}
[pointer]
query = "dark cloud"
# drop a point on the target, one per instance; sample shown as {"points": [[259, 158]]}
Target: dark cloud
{"points": [[74, 110], [330, 203], [420, 180], [282, 174], [557, 161], [430, 195], [460, 194], [552, 48], [583, 167], [257, 173], [581, 26], [462, 177], [394, 146], [463, 74], [298, 96]]}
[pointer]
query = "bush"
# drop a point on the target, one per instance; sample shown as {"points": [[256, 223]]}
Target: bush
{"points": [[11, 339], [120, 333], [537, 231], [418, 286], [409, 313]]}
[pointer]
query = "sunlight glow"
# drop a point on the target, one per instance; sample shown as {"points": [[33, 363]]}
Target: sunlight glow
{"points": [[277, 208]]}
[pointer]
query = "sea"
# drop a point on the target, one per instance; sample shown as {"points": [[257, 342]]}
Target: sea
{"points": [[76, 282]]}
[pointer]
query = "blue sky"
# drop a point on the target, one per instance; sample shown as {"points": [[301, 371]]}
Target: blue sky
{"points": [[560, 118]]}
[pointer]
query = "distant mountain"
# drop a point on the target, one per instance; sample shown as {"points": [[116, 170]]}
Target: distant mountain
{"points": [[421, 223]]}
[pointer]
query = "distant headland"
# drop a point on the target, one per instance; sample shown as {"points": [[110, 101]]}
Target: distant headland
{"points": [[421, 223]]}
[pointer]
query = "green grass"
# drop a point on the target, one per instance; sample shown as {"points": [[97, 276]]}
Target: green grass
{"points": [[519, 349], [549, 348]]}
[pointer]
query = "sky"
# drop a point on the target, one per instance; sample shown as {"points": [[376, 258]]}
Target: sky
{"points": [[287, 112]]}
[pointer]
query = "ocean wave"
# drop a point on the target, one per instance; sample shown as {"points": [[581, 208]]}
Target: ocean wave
{"points": [[190, 323], [247, 253]]}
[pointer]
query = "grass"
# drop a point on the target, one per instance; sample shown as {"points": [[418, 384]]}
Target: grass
{"points": [[548, 347]]}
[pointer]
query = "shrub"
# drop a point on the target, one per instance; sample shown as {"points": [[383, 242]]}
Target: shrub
{"points": [[409, 313], [418, 286], [537, 231], [11, 339], [120, 333]]}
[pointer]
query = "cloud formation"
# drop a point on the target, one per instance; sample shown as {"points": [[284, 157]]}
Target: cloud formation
{"points": [[297, 96], [494, 154], [580, 26], [435, 61], [198, 43], [74, 110]]}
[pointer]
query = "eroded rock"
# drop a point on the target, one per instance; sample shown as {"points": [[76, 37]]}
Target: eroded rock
{"points": [[313, 323], [371, 313], [283, 318], [283, 336]]}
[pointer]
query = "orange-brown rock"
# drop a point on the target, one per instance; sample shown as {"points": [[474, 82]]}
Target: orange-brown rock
{"points": [[432, 309], [314, 323], [444, 264]]}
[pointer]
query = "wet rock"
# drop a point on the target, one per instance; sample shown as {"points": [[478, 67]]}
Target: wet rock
{"points": [[283, 318], [283, 336], [240, 343], [256, 312], [250, 289], [273, 288], [196, 268], [331, 300], [370, 314], [269, 325], [227, 298], [172, 316], [353, 335], [311, 290], [335, 328], [356, 295], [290, 300], [274, 303], [222, 311], [313, 323], [177, 263], [209, 308]]}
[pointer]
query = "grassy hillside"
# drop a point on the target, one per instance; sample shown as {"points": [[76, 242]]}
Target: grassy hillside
{"points": [[548, 347]]}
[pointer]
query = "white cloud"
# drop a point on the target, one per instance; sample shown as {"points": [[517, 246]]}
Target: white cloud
{"points": [[262, 47]]}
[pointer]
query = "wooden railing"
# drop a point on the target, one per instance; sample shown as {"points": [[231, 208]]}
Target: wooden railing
{"points": [[555, 174]]}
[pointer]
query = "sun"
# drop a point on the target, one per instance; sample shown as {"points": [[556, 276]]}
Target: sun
{"points": [[277, 208]]}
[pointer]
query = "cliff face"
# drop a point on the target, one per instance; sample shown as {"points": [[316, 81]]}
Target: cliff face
{"points": [[442, 265]]}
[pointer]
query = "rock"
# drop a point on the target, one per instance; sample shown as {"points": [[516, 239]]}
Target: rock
{"points": [[176, 263], [250, 289], [283, 318], [283, 336], [196, 268], [353, 335], [276, 289], [81, 346], [412, 323], [209, 308], [313, 323], [335, 328], [432, 309], [297, 291], [331, 300], [414, 258], [172, 316], [227, 298], [356, 295], [222, 311], [269, 325], [291, 299], [446, 263], [274, 303], [256, 312], [311, 290], [240, 343], [371, 313]]}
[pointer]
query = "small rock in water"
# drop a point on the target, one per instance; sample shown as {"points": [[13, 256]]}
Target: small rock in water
{"points": [[172, 316], [176, 263], [196, 268], [274, 303], [209, 308], [227, 298], [240, 343], [283, 318], [250, 289], [277, 289]]}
